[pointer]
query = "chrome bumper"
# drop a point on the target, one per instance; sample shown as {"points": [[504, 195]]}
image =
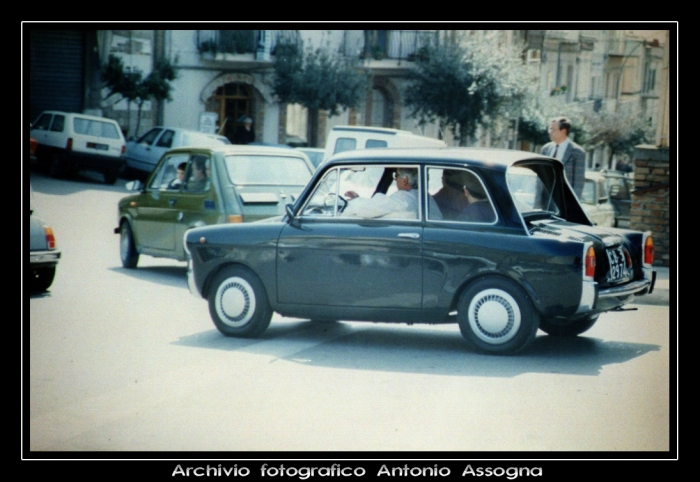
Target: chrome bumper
{"points": [[590, 294], [44, 257]]}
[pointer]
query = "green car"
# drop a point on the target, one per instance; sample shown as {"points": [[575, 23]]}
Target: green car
{"points": [[193, 187]]}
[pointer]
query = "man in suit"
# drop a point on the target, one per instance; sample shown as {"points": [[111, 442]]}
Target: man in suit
{"points": [[568, 152]]}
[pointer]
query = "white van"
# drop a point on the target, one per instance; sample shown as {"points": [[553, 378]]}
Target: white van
{"points": [[68, 142], [347, 138]]}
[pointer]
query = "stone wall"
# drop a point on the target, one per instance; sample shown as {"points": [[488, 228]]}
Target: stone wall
{"points": [[650, 210]]}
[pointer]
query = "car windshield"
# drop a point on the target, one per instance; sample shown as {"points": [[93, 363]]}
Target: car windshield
{"points": [[532, 187], [260, 169]]}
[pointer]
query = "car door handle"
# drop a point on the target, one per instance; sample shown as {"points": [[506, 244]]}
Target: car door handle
{"points": [[172, 201], [409, 235]]}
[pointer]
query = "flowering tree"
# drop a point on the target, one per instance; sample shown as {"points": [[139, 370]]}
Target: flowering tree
{"points": [[469, 84]]}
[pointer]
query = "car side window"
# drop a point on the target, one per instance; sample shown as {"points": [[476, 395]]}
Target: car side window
{"points": [[198, 174], [166, 140], [344, 144], [166, 175], [149, 137], [375, 143], [43, 122], [58, 123], [458, 195]]}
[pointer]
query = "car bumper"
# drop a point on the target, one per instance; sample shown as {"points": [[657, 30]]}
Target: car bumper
{"points": [[43, 258], [598, 300]]}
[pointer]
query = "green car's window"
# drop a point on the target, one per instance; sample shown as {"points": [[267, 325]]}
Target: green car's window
{"points": [[166, 175], [267, 170]]}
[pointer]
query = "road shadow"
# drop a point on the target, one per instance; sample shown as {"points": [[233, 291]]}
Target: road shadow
{"points": [[404, 349], [72, 183], [164, 275]]}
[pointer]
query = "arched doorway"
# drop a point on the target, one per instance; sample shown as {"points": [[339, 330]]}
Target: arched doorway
{"points": [[235, 103]]}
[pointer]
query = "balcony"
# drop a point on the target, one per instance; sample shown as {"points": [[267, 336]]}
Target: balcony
{"points": [[394, 44], [242, 45]]}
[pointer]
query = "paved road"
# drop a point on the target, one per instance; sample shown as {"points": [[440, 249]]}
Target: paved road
{"points": [[127, 360]]}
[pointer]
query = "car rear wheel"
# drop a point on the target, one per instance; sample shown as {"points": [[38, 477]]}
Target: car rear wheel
{"points": [[127, 248], [569, 326], [42, 279], [57, 167], [111, 176], [496, 316], [238, 303]]}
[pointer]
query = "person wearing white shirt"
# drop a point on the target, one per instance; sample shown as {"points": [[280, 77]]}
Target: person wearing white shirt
{"points": [[402, 204]]}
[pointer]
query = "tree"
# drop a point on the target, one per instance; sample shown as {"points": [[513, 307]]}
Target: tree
{"points": [[317, 80], [131, 86], [468, 84], [620, 131]]}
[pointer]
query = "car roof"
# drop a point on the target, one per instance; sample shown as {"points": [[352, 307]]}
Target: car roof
{"points": [[78, 114], [486, 157], [226, 149]]}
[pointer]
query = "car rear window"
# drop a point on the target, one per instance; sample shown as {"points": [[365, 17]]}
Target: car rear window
{"points": [[258, 169], [92, 127]]}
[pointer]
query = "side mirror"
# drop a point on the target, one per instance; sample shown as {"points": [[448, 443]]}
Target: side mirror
{"points": [[134, 185]]}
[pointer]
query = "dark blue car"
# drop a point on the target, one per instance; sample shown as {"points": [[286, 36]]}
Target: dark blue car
{"points": [[494, 240]]}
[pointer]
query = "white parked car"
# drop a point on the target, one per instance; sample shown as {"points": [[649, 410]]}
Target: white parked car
{"points": [[143, 154], [68, 142], [595, 200]]}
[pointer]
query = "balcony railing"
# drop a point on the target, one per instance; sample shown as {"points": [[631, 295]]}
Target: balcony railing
{"points": [[396, 44], [243, 41]]}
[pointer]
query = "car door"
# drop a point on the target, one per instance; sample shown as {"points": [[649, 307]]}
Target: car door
{"points": [[326, 259], [141, 153], [157, 210]]}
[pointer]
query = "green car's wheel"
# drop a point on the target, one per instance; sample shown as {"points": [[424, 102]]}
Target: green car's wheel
{"points": [[127, 248]]}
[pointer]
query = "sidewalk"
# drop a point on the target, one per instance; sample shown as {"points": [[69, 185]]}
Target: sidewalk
{"points": [[661, 293]]}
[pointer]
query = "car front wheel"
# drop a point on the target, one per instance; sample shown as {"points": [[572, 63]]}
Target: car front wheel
{"points": [[238, 303], [127, 248], [496, 316], [569, 326]]}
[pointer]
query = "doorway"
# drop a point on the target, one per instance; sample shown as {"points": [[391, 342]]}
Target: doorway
{"points": [[236, 103]]}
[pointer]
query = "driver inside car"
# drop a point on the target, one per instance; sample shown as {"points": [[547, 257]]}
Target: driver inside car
{"points": [[403, 203]]}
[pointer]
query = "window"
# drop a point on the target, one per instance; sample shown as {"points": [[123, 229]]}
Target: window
{"points": [[166, 140], [167, 173], [344, 144], [43, 122], [269, 170], [150, 136], [532, 187], [58, 123], [458, 195], [375, 143]]}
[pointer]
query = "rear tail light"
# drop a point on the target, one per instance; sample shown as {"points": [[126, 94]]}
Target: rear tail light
{"points": [[648, 259], [69, 144], [123, 149], [589, 268], [235, 218], [628, 258], [50, 239]]}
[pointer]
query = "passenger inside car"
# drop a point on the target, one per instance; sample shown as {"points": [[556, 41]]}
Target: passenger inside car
{"points": [[479, 209], [199, 181]]}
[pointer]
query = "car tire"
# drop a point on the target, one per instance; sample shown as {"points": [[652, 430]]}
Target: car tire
{"points": [[57, 168], [496, 316], [127, 248], [238, 303], [42, 279], [111, 176], [569, 326]]}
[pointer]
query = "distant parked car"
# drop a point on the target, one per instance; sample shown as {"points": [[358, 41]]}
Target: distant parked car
{"points": [[595, 200], [222, 184], [620, 186], [68, 142], [315, 154], [43, 253], [521, 256], [143, 154]]}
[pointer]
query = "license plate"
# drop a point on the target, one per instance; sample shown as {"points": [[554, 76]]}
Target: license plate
{"points": [[99, 147], [618, 266]]}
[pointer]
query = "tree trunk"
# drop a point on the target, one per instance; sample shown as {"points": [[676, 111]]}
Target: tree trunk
{"points": [[462, 136], [312, 122]]}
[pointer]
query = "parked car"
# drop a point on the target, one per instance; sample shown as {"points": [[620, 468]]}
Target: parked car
{"points": [[620, 187], [595, 200], [536, 262], [68, 142], [43, 252], [222, 184], [315, 154], [143, 154]]}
